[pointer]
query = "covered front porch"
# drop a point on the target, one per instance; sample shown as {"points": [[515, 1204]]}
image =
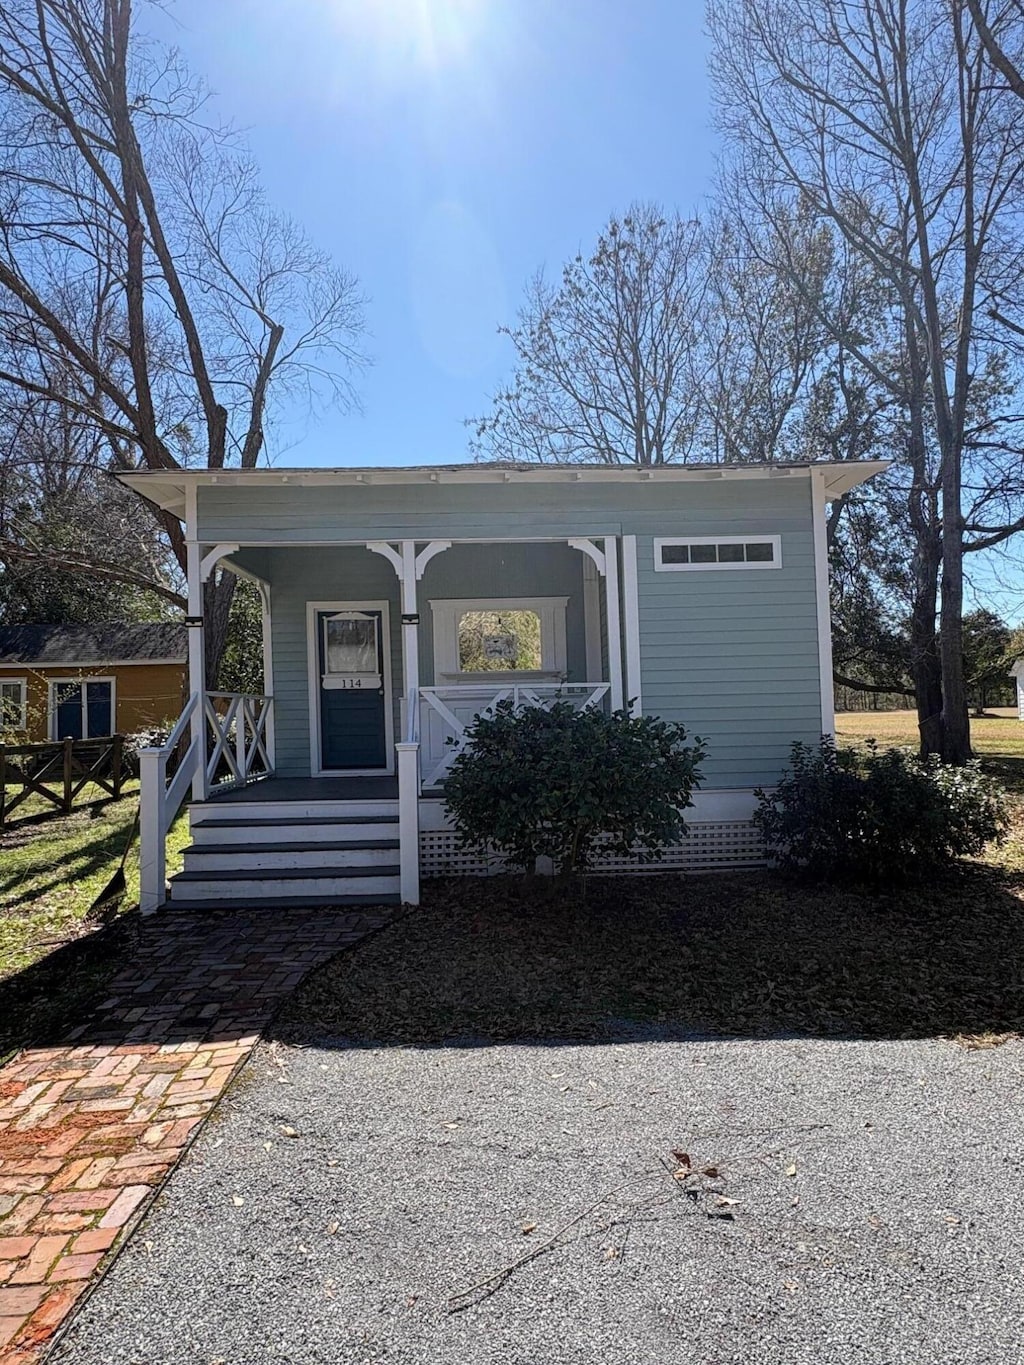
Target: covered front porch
{"points": [[376, 658]]}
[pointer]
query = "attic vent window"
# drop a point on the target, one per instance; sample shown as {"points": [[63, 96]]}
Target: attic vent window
{"points": [[718, 552]]}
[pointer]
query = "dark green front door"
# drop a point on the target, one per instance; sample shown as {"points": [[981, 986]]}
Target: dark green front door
{"points": [[350, 654]]}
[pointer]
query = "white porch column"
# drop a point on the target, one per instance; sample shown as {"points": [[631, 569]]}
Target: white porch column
{"points": [[409, 822], [607, 563], [196, 638], [611, 594], [409, 567], [819, 502], [268, 664], [631, 624]]}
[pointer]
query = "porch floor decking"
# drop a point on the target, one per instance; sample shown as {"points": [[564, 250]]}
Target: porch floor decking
{"points": [[313, 789]]}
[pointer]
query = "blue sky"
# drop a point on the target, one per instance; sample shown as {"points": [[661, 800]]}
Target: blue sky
{"points": [[443, 150]]}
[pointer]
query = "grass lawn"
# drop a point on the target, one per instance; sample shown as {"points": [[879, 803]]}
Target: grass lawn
{"points": [[52, 867], [997, 738], [746, 954]]}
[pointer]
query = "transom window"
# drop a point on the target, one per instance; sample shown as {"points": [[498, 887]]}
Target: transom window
{"points": [[718, 552], [12, 704]]}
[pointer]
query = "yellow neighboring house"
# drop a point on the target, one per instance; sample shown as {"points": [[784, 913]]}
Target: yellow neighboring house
{"points": [[80, 682]]}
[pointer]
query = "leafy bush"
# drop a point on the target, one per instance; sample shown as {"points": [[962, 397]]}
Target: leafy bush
{"points": [[555, 782], [880, 815], [152, 737]]}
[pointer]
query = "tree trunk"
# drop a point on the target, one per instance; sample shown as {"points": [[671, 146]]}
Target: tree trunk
{"points": [[218, 593], [956, 725], [925, 664]]}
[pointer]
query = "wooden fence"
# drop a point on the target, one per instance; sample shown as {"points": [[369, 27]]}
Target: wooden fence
{"points": [[59, 771]]}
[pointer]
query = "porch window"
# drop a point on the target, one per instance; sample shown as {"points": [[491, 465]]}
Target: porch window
{"points": [[82, 709], [520, 638], [499, 641], [717, 552], [13, 704]]}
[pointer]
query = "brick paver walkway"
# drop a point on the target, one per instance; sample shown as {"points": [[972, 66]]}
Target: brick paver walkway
{"points": [[89, 1131]]}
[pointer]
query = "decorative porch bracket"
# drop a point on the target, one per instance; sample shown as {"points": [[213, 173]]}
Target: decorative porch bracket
{"points": [[607, 562], [409, 566], [212, 558]]}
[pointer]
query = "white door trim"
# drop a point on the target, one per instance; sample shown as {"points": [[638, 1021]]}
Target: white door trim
{"points": [[313, 671]]}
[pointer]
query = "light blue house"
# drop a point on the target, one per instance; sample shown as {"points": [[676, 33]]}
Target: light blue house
{"points": [[399, 603]]}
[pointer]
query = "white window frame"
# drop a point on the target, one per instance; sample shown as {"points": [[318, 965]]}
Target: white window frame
{"points": [[553, 647], [752, 538], [54, 683], [22, 684]]}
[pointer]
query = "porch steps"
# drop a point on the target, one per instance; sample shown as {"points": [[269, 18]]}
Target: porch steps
{"points": [[290, 853]]}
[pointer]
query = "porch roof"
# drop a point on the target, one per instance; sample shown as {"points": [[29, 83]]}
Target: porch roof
{"points": [[166, 488]]}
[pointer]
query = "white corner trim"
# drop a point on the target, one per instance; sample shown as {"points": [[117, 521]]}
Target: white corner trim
{"points": [[819, 499], [631, 625], [313, 672]]}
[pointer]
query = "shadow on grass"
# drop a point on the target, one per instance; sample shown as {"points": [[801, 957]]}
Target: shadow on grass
{"points": [[40, 1003], [84, 862], [731, 955]]}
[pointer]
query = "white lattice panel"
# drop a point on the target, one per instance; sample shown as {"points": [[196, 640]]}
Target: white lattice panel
{"points": [[718, 844]]}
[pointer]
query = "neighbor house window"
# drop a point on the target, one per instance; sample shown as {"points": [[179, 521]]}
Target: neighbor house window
{"points": [[524, 637], [718, 552], [13, 704], [81, 709]]}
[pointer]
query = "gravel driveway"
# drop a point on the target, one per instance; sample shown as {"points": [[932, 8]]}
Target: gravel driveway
{"points": [[341, 1195]]}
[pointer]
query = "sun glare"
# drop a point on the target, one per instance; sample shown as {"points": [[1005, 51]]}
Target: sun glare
{"points": [[431, 34]]}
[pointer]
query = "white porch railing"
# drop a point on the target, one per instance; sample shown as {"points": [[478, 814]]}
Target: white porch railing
{"points": [[158, 805], [409, 802], [448, 712], [239, 731], [238, 725]]}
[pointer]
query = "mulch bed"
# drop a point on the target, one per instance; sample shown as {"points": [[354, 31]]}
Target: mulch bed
{"points": [[742, 955]]}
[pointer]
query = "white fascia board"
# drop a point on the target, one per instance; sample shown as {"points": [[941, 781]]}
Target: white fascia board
{"points": [[167, 490]]}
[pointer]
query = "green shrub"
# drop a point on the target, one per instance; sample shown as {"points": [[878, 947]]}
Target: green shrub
{"points": [[877, 816], [555, 782]]}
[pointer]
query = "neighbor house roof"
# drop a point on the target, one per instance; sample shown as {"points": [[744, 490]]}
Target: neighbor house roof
{"points": [[113, 643], [166, 488]]}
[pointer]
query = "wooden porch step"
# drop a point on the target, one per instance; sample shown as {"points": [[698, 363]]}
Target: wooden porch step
{"points": [[285, 856], [262, 812], [322, 883], [298, 902], [325, 830]]}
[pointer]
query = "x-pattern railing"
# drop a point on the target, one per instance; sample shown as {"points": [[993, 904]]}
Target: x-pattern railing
{"points": [[238, 727], [521, 695]]}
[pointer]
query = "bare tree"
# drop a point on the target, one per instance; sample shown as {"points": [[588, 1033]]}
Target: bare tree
{"points": [[606, 358], [146, 288], [996, 33], [881, 117]]}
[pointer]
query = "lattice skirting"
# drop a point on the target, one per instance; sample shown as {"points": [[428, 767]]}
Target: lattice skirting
{"points": [[709, 845]]}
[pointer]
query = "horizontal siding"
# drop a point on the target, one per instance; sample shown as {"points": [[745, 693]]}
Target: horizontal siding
{"points": [[732, 654], [290, 513]]}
